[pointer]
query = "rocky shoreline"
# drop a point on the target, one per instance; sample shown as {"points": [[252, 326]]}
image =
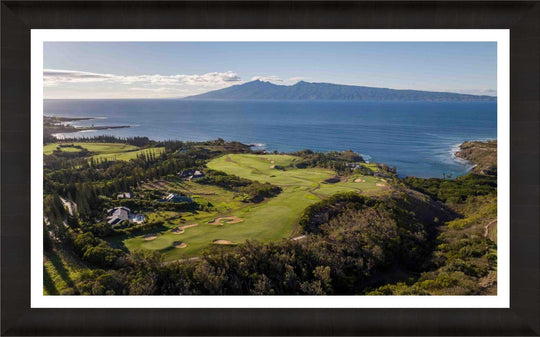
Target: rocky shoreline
{"points": [[483, 154]]}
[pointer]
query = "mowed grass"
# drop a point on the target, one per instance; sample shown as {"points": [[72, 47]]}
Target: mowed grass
{"points": [[274, 219], [128, 155], [99, 148], [107, 151]]}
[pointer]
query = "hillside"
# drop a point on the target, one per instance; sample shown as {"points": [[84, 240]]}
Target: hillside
{"points": [[259, 90]]}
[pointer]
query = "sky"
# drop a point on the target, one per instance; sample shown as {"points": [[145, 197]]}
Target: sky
{"points": [[94, 70]]}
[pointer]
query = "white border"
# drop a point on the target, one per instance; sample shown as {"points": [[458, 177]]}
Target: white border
{"points": [[502, 300]]}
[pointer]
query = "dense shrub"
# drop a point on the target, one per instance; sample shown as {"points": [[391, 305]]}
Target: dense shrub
{"points": [[456, 190]]}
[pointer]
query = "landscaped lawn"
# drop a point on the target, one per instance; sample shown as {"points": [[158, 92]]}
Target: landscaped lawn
{"points": [[274, 219]]}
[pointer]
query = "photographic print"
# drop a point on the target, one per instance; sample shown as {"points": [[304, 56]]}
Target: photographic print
{"points": [[232, 167]]}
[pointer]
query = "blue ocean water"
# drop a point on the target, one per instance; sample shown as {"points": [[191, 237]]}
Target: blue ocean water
{"points": [[418, 138]]}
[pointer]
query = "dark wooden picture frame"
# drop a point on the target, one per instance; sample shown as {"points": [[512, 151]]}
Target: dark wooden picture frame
{"points": [[521, 17]]}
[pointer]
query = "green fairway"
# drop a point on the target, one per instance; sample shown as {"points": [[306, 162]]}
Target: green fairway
{"points": [[98, 148], [108, 151], [273, 219]]}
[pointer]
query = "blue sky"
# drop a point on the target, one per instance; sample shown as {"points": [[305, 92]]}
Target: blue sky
{"points": [[178, 69]]}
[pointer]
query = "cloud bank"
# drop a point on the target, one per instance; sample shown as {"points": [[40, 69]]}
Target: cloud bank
{"points": [[52, 77]]}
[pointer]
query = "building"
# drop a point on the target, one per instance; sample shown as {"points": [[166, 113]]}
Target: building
{"points": [[191, 174], [173, 197], [118, 215], [122, 215], [124, 195]]}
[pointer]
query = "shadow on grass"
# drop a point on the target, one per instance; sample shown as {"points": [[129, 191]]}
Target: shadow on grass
{"points": [[117, 241], [61, 270], [48, 283]]}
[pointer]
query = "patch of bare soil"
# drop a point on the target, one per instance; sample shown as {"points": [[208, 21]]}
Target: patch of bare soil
{"points": [[149, 237], [179, 244], [358, 180], [223, 242], [181, 229], [227, 219]]}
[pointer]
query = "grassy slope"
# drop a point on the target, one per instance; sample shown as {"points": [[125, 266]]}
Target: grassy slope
{"points": [[60, 270], [272, 219], [128, 155]]}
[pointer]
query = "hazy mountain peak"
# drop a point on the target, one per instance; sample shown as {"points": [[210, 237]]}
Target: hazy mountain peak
{"points": [[303, 90]]}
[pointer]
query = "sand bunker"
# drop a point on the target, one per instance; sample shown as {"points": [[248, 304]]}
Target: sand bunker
{"points": [[149, 237], [380, 184], [227, 219], [223, 242], [358, 180], [272, 166], [178, 244], [181, 229]]}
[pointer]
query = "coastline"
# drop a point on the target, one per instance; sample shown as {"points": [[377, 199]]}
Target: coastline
{"points": [[61, 126], [479, 153], [455, 154]]}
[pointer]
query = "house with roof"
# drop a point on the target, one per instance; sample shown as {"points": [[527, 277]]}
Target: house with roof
{"points": [[191, 175], [124, 195], [173, 197], [121, 215]]}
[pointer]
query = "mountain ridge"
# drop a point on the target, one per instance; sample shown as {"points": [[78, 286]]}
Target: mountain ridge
{"points": [[261, 90]]}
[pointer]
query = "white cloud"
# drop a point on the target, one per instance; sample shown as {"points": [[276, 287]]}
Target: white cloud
{"points": [[52, 77], [267, 78], [296, 79]]}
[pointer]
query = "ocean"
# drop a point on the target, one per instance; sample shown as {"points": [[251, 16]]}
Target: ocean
{"points": [[419, 138]]}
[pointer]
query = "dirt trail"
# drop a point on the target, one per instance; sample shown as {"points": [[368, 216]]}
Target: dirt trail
{"points": [[486, 228]]}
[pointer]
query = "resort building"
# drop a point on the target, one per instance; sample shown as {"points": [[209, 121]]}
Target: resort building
{"points": [[124, 195], [173, 197], [120, 215]]}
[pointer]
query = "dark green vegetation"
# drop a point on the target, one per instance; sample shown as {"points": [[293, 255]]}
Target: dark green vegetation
{"points": [[328, 91], [319, 223], [465, 259]]}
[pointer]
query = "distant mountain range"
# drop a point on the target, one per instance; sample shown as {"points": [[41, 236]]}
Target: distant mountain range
{"points": [[257, 90]]}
